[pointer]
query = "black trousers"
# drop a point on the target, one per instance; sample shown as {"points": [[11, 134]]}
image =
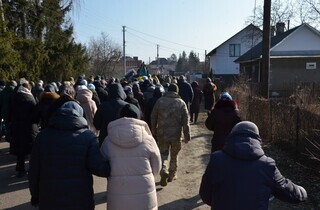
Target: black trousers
{"points": [[20, 167]]}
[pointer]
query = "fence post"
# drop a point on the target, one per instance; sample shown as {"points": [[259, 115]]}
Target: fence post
{"points": [[270, 120], [297, 131]]}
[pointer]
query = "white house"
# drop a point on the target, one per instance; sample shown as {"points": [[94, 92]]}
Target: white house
{"points": [[294, 60], [222, 58]]}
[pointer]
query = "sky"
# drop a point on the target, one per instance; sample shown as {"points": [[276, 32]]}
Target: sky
{"points": [[174, 25]]}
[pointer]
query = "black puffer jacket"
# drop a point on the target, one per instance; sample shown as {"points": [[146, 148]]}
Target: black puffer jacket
{"points": [[109, 110], [242, 177], [185, 91], [101, 91], [23, 130], [64, 157]]}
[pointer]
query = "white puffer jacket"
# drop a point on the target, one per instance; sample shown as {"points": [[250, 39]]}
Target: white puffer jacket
{"points": [[135, 159]]}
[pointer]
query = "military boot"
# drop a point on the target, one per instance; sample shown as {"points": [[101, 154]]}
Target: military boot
{"points": [[172, 177], [164, 179]]}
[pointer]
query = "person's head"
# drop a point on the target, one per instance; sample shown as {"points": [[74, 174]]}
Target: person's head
{"points": [[130, 111], [12, 83], [91, 86], [74, 106], [136, 87], [182, 78], [245, 127], [97, 78], [157, 92], [194, 84], [225, 96], [128, 90], [67, 90], [25, 83], [49, 88], [173, 88]]}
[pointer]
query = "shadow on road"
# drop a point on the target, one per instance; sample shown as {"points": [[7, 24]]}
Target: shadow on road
{"points": [[190, 203], [100, 198], [24, 206]]}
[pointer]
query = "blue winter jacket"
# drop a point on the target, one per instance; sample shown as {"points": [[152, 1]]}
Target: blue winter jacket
{"points": [[64, 157], [242, 177]]}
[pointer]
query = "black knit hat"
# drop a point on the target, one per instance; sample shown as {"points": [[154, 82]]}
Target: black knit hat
{"points": [[131, 111], [173, 88]]}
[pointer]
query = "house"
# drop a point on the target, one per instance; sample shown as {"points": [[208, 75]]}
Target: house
{"points": [[222, 57], [163, 65], [294, 60]]}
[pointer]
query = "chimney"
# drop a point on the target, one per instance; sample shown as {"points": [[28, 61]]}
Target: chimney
{"points": [[280, 28], [272, 31]]}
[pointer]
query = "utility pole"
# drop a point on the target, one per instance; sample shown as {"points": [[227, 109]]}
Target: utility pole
{"points": [[124, 50], [205, 61], [158, 61], [265, 80]]}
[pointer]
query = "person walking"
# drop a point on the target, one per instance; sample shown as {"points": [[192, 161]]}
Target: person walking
{"points": [[209, 90], [109, 110], [242, 177], [84, 96], [195, 105], [185, 91], [46, 99], [221, 120], [64, 157], [149, 106], [135, 161], [137, 94], [6, 96], [23, 129], [95, 96], [169, 118]]}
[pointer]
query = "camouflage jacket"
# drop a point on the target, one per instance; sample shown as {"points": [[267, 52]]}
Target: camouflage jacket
{"points": [[169, 118]]}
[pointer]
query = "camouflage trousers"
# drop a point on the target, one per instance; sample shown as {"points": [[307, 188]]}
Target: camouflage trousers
{"points": [[172, 148]]}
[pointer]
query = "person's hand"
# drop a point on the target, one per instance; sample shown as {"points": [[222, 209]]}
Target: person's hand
{"points": [[34, 201], [186, 140]]}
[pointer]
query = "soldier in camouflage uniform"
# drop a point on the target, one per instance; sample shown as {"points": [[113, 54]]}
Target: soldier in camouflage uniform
{"points": [[169, 118]]}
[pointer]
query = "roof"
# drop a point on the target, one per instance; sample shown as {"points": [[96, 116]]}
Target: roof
{"points": [[162, 61], [256, 52], [246, 28]]}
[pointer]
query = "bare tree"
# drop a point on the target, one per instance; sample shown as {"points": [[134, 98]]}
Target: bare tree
{"points": [[291, 12], [281, 11], [309, 12], [104, 56]]}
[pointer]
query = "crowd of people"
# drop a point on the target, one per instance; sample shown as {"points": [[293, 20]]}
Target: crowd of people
{"points": [[130, 131]]}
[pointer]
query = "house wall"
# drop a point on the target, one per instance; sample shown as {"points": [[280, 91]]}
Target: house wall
{"points": [[304, 39], [221, 63], [251, 70], [286, 73]]}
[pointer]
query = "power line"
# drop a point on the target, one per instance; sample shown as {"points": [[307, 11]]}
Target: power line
{"points": [[169, 49], [164, 39]]}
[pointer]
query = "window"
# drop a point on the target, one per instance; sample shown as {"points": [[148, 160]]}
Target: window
{"points": [[234, 50]]}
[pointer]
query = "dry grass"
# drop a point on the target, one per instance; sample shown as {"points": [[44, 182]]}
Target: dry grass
{"points": [[291, 122]]}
